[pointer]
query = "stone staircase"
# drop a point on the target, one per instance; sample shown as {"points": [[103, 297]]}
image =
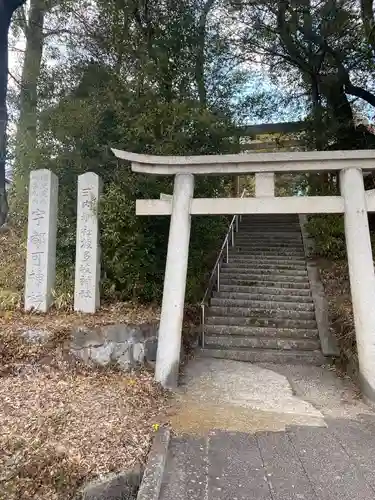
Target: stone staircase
{"points": [[264, 311]]}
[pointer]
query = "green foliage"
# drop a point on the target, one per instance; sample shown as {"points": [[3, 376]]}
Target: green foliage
{"points": [[102, 113], [132, 76], [329, 235]]}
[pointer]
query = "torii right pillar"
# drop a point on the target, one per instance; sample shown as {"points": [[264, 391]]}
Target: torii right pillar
{"points": [[361, 273]]}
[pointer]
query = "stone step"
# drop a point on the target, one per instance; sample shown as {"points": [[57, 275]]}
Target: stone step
{"points": [[271, 217], [241, 341], [269, 224], [263, 304], [284, 254], [270, 252], [266, 322], [255, 233], [266, 289], [265, 247], [259, 223], [266, 250], [249, 241], [267, 221], [258, 331], [267, 232], [253, 312], [268, 297], [256, 264], [270, 229], [262, 233], [255, 277], [241, 271], [261, 243], [265, 254], [264, 244], [270, 259], [266, 356], [259, 282]]}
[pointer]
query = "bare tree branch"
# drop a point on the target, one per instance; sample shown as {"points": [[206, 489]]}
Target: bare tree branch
{"points": [[14, 79], [287, 39], [12, 48], [20, 16], [360, 92], [59, 31], [367, 14]]}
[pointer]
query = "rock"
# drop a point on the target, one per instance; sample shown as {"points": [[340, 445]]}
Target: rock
{"points": [[122, 486], [87, 337], [102, 354], [125, 345], [139, 352], [151, 347], [36, 336], [122, 354]]}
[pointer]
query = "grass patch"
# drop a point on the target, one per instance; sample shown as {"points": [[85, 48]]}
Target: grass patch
{"points": [[12, 262]]}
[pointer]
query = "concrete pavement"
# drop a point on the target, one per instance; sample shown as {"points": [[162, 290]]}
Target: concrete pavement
{"points": [[249, 432]]}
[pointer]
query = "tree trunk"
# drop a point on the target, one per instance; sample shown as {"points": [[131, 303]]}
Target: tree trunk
{"points": [[26, 137], [7, 7], [367, 13], [200, 55]]}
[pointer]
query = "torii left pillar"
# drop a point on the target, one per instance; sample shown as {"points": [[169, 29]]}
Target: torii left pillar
{"points": [[172, 312]]}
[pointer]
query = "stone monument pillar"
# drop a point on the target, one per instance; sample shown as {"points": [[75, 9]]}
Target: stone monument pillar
{"points": [[41, 241], [87, 270]]}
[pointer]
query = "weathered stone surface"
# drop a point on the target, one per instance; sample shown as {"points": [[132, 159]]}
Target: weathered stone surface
{"points": [[123, 355], [125, 345], [138, 352], [151, 347], [35, 336], [87, 270], [102, 354], [41, 241], [122, 486]]}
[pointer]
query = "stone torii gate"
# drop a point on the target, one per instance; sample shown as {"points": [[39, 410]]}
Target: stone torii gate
{"points": [[354, 202]]}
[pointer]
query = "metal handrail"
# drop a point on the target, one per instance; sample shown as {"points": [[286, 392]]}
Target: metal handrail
{"points": [[215, 275]]}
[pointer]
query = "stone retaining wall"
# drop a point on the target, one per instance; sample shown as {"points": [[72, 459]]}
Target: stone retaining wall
{"points": [[124, 345]]}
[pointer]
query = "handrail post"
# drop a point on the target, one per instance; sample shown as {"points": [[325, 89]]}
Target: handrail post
{"points": [[218, 277], [203, 324], [233, 227]]}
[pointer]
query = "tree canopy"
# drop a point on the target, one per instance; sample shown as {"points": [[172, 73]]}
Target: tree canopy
{"points": [[169, 77]]}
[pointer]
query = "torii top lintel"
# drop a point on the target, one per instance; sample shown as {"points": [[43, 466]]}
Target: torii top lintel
{"points": [[247, 163]]}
